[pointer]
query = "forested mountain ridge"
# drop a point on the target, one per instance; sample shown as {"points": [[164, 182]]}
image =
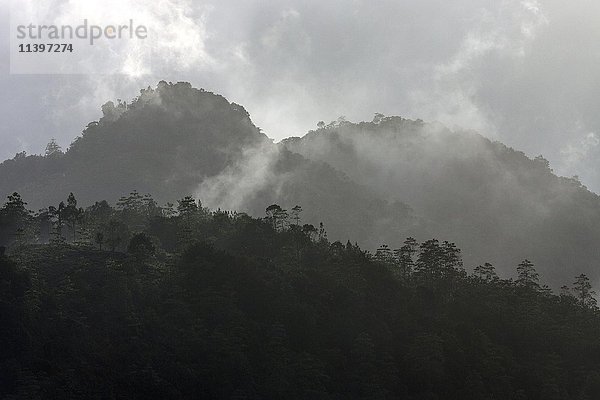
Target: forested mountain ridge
{"points": [[495, 202], [176, 140], [372, 182], [164, 141]]}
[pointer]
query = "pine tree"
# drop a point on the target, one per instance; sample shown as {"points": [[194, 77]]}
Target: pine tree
{"points": [[405, 257], [187, 207], [527, 275], [384, 254], [322, 233], [72, 214], [295, 214], [272, 212], [583, 291], [428, 267], [485, 272], [451, 259], [52, 148], [281, 219], [14, 208]]}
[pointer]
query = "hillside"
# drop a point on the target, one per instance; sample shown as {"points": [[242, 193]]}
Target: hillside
{"points": [[495, 202], [164, 142], [371, 182], [175, 140], [214, 305]]}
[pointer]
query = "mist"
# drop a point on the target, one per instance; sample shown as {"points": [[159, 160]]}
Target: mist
{"points": [[238, 185], [291, 65]]}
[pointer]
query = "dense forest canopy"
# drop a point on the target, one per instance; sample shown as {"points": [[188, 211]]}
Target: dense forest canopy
{"points": [[137, 300]]}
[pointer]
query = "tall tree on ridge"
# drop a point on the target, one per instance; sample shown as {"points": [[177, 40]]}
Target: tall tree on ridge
{"points": [[583, 291], [527, 275]]}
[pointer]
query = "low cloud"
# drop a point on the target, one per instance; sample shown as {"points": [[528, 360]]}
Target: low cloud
{"points": [[237, 185], [521, 71]]}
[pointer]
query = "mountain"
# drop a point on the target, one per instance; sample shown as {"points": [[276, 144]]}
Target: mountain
{"points": [[175, 140], [164, 142], [494, 202], [371, 182]]}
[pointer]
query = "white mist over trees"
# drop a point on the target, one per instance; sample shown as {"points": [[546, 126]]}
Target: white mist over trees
{"points": [[372, 182]]}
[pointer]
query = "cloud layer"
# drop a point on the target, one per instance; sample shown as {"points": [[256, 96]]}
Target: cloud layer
{"points": [[521, 71]]}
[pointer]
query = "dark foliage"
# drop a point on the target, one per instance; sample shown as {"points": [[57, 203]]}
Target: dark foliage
{"points": [[213, 304]]}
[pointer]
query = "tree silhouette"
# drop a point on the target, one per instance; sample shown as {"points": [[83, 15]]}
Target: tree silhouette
{"points": [[405, 256], [187, 207], [295, 214], [99, 239], [310, 231], [384, 254], [430, 262], [485, 272], [278, 217], [322, 233], [272, 212], [72, 214], [52, 148], [527, 276], [583, 291]]}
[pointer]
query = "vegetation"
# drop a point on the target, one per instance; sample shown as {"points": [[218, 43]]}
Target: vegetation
{"points": [[173, 138], [163, 141], [371, 182], [494, 201], [147, 301]]}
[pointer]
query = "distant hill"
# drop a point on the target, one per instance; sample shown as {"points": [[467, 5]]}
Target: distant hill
{"points": [[176, 140], [495, 202], [164, 142], [372, 182]]}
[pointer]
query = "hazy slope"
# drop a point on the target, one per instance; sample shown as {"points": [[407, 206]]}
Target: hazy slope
{"points": [[496, 203], [163, 142], [374, 182], [176, 140]]}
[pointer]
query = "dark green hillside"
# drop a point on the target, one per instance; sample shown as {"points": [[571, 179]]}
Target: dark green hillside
{"points": [[145, 302]]}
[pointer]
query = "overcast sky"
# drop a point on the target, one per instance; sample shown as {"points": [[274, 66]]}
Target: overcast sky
{"points": [[524, 72]]}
